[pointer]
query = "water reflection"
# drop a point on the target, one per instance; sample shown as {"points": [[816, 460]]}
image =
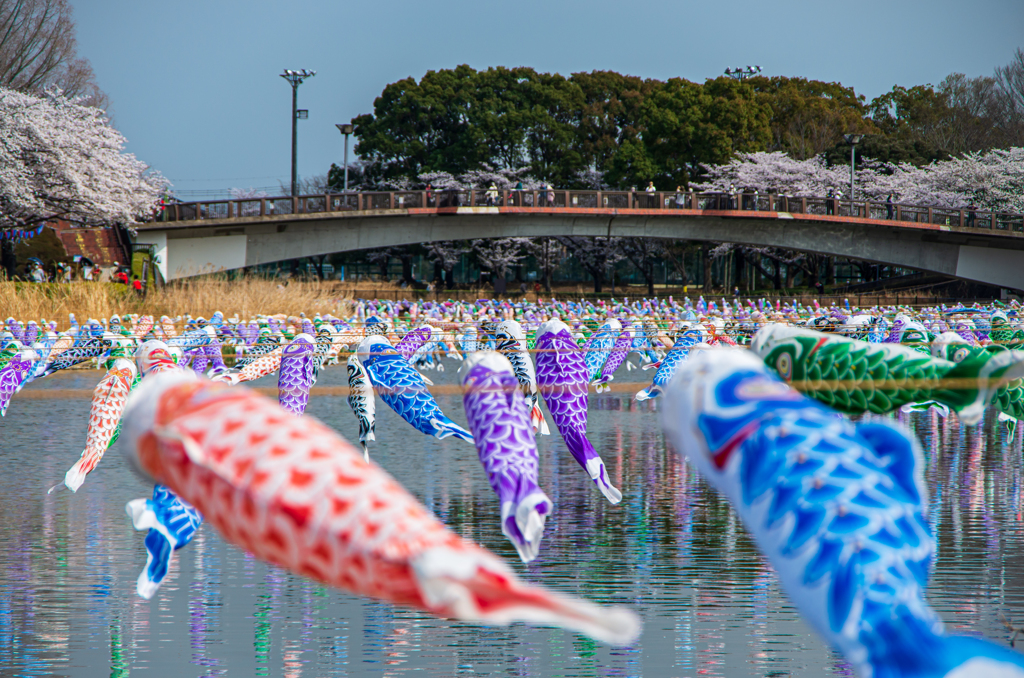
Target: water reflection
{"points": [[672, 550]]}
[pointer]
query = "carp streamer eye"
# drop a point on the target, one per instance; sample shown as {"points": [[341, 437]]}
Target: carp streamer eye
{"points": [[784, 366], [960, 354]]}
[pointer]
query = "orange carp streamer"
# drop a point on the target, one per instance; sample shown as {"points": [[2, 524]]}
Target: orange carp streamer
{"points": [[293, 493]]}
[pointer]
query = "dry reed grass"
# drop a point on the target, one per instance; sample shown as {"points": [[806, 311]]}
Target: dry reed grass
{"points": [[245, 297]]}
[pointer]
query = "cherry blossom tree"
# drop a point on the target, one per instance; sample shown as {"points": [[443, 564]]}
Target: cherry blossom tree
{"points": [[549, 253], [643, 253], [497, 255], [445, 254], [596, 255], [382, 259], [38, 50], [991, 180], [62, 160]]}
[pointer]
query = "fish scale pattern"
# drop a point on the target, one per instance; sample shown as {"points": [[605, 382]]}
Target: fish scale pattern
{"points": [[838, 508], [92, 347], [292, 493], [597, 348], [402, 388], [262, 366], [360, 399], [500, 421], [264, 345], [623, 345], [413, 340], [295, 375], [108, 401], [855, 376], [667, 369], [11, 377], [324, 344], [509, 337], [172, 522], [562, 378]]}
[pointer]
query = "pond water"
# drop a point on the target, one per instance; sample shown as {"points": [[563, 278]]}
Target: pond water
{"points": [[672, 550]]}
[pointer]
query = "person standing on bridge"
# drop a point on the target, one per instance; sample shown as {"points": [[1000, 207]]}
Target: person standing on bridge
{"points": [[650, 190], [492, 195], [551, 194], [430, 195], [680, 198], [830, 202], [888, 207]]}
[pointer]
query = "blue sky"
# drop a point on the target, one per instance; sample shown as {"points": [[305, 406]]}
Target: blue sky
{"points": [[195, 86]]}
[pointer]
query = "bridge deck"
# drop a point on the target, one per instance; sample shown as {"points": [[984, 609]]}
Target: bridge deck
{"points": [[220, 235]]}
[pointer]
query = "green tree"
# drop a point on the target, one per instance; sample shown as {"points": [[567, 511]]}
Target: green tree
{"points": [[808, 117], [422, 127]]}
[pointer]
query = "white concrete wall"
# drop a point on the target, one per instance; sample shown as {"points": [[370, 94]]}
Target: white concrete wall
{"points": [[995, 266], [192, 256], [160, 240]]}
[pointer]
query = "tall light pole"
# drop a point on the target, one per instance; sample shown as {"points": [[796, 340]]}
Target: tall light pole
{"points": [[296, 78], [742, 73], [853, 140], [345, 130]]}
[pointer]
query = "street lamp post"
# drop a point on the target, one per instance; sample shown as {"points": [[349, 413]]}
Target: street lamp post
{"points": [[296, 78], [853, 140], [345, 130]]}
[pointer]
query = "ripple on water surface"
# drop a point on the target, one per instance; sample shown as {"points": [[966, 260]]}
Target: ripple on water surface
{"points": [[672, 550]]}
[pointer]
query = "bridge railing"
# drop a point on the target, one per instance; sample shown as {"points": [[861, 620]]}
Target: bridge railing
{"points": [[396, 200]]}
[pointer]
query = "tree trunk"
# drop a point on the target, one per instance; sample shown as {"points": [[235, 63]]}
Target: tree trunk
{"points": [[649, 275], [830, 271], [8, 260], [547, 265], [777, 276], [449, 278], [741, 265], [598, 280], [407, 269]]}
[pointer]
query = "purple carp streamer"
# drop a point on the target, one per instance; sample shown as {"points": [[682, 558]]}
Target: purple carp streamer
{"points": [[500, 422], [562, 378], [295, 376]]}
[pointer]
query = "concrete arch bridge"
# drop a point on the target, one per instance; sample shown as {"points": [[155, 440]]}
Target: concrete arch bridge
{"points": [[202, 237]]}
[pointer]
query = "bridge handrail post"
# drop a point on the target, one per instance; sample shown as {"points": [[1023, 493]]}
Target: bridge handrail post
{"points": [[803, 205], [230, 211], [295, 205], [566, 199], [930, 215], [327, 202], [263, 207], [600, 204], [391, 200], [962, 215], [899, 212], [534, 199], [694, 204]]}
